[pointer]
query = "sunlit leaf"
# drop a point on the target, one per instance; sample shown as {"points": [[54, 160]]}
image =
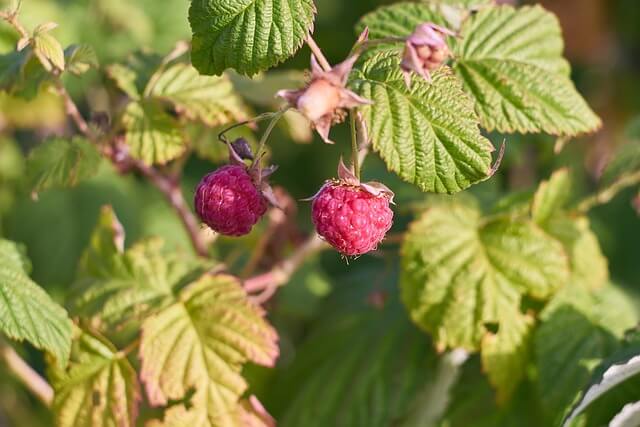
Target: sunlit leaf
{"points": [[247, 35], [153, 136], [428, 134], [61, 163], [26, 311], [200, 343], [511, 62], [98, 389], [208, 99]]}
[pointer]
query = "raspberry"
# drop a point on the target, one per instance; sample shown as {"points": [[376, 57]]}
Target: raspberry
{"points": [[351, 219], [228, 201]]}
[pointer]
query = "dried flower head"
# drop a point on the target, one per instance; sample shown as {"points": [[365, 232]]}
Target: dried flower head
{"points": [[325, 98], [425, 50]]}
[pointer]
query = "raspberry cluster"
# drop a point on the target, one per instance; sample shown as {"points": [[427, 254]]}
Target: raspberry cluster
{"points": [[228, 201], [351, 219]]}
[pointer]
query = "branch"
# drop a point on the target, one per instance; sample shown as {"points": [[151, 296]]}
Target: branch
{"points": [[168, 186], [25, 373], [268, 282], [171, 191], [607, 194], [12, 19]]}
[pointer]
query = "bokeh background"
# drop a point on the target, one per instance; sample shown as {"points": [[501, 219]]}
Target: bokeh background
{"points": [[602, 42]]}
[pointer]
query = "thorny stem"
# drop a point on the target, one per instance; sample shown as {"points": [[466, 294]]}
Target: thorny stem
{"points": [[268, 282], [168, 186], [26, 374], [354, 145], [317, 52], [171, 191], [607, 194]]}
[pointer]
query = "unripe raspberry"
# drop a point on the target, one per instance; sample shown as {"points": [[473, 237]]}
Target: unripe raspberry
{"points": [[350, 218], [228, 201]]}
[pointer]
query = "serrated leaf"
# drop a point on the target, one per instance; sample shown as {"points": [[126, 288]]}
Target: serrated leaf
{"points": [[247, 35], [153, 136], [48, 50], [511, 62], [240, 416], [80, 58], [551, 196], [579, 328], [27, 312], [589, 267], [62, 163], [22, 74], [124, 78], [463, 277], [114, 286], [98, 389], [201, 342], [429, 134], [208, 99], [399, 20]]}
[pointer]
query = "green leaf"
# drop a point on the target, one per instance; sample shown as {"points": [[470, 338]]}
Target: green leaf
{"points": [[201, 342], [124, 78], [511, 62], [579, 328], [428, 135], [473, 403], [48, 50], [349, 372], [98, 389], [115, 287], [247, 35], [61, 163], [152, 134], [551, 196], [80, 58], [26, 311], [589, 267], [399, 20], [607, 378], [506, 353], [22, 74], [208, 99], [463, 278]]}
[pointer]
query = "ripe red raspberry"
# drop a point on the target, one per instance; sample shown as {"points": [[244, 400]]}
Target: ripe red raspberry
{"points": [[228, 201], [350, 218]]}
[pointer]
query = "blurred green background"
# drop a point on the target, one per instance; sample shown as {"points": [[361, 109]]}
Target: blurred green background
{"points": [[603, 44]]}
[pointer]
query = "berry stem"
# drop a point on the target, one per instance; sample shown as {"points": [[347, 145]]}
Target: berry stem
{"points": [[265, 136], [317, 52], [264, 116], [354, 145]]}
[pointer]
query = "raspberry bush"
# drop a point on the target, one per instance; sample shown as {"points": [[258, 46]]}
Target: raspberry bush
{"points": [[433, 281]]}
